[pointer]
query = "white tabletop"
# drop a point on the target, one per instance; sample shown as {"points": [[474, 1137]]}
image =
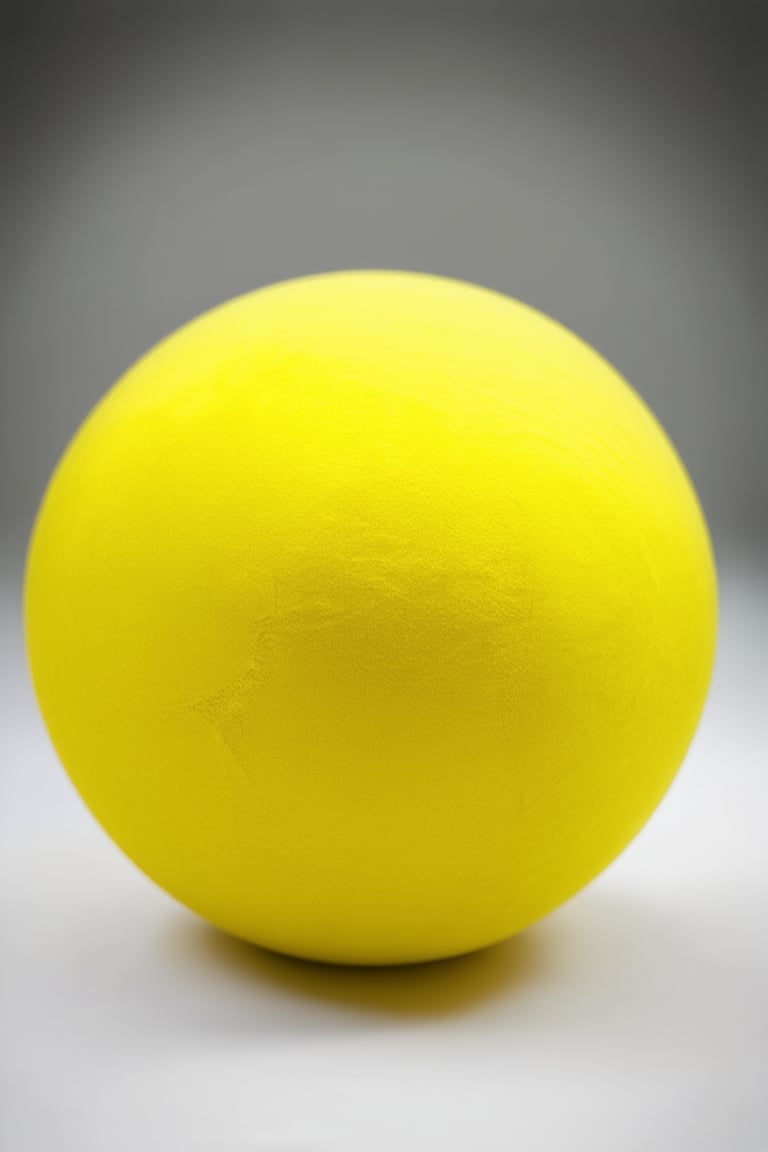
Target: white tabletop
{"points": [[636, 1018]]}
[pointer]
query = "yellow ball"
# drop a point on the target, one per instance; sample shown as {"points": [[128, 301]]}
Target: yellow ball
{"points": [[372, 614]]}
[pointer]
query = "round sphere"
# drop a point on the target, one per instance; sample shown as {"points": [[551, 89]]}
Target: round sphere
{"points": [[372, 614]]}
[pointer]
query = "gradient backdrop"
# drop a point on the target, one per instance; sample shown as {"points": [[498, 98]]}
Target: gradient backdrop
{"points": [[605, 163]]}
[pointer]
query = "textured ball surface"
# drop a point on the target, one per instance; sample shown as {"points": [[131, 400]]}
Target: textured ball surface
{"points": [[372, 615]]}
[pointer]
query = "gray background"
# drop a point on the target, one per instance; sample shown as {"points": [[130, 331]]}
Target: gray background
{"points": [[606, 170], [602, 162]]}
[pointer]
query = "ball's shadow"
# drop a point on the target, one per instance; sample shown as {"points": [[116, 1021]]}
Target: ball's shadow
{"points": [[435, 988]]}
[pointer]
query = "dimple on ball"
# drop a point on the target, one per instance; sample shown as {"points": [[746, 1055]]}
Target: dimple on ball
{"points": [[372, 615]]}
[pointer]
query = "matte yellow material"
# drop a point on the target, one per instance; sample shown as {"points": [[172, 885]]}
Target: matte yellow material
{"points": [[372, 615]]}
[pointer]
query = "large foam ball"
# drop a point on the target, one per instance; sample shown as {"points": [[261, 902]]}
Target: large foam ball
{"points": [[372, 615]]}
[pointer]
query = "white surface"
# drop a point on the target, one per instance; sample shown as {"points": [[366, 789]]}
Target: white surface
{"points": [[636, 1018]]}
